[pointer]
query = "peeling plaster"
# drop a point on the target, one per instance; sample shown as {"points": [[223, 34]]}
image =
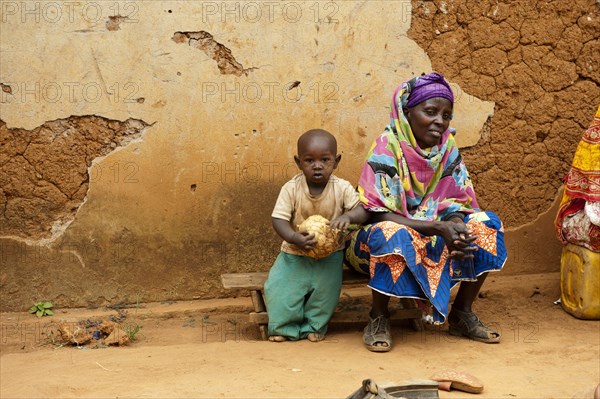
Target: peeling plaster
{"points": [[46, 171], [114, 22], [151, 237], [204, 41], [6, 88]]}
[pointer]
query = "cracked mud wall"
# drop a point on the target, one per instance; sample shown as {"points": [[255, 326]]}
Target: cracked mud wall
{"points": [[162, 131], [46, 171], [539, 62]]}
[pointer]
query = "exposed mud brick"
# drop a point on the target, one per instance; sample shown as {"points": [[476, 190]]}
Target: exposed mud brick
{"points": [[570, 44], [542, 58], [589, 23], [484, 86], [465, 13], [504, 155], [498, 12], [489, 61], [455, 46], [485, 33], [532, 57], [44, 171], [542, 30], [588, 61], [444, 21], [558, 139], [541, 110], [579, 102], [222, 55], [516, 87], [515, 56], [559, 74]]}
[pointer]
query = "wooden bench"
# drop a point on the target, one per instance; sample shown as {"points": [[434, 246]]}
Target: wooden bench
{"points": [[255, 282]]}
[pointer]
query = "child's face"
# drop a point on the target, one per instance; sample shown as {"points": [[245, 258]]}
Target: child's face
{"points": [[317, 159]]}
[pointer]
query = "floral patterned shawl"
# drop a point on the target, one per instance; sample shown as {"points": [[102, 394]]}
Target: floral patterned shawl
{"points": [[581, 187], [400, 177]]}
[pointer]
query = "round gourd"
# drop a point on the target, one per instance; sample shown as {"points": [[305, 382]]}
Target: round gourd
{"points": [[328, 239]]}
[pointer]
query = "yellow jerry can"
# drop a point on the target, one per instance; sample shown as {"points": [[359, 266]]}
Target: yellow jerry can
{"points": [[580, 281]]}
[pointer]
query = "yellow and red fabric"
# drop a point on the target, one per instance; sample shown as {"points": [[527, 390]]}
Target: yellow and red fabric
{"points": [[581, 186]]}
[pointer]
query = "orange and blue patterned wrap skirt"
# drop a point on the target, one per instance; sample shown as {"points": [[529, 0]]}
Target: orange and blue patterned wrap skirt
{"points": [[403, 263]]}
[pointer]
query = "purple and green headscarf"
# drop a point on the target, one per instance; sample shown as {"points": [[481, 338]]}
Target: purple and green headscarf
{"points": [[399, 176], [425, 87]]}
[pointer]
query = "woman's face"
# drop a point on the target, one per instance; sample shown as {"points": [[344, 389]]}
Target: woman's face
{"points": [[429, 119]]}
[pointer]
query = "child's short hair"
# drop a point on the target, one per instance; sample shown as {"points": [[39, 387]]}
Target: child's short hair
{"points": [[311, 134]]}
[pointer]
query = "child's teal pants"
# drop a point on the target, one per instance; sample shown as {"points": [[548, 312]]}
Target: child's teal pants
{"points": [[301, 294]]}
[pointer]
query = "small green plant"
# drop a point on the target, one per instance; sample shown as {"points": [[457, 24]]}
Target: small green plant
{"points": [[132, 330], [42, 309]]}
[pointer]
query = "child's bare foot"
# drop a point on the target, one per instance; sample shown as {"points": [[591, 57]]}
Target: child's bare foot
{"points": [[315, 337], [277, 338]]}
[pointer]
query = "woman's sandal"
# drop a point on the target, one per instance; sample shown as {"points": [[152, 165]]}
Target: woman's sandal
{"points": [[469, 325], [377, 336], [451, 379]]}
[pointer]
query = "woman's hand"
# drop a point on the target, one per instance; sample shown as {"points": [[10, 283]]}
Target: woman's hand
{"points": [[341, 222], [456, 234], [303, 240], [458, 238]]}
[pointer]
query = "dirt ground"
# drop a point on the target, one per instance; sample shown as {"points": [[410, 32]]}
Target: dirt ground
{"points": [[206, 349]]}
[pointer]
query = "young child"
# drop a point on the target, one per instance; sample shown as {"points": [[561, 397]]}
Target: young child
{"points": [[302, 292]]}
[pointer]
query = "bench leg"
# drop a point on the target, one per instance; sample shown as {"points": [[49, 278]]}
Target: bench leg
{"points": [[409, 303], [263, 331], [258, 301]]}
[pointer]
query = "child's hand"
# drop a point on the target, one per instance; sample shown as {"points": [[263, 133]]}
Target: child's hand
{"points": [[341, 222], [304, 240]]}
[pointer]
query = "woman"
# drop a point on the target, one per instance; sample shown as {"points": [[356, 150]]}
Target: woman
{"points": [[578, 218], [427, 232]]}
